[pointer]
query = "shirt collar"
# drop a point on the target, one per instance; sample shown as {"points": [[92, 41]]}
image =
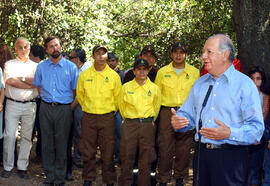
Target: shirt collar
{"points": [[92, 68], [60, 63], [22, 61], [84, 67], [145, 86], [228, 74], [186, 69]]}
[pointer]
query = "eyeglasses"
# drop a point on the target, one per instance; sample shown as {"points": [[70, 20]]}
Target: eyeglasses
{"points": [[72, 57]]}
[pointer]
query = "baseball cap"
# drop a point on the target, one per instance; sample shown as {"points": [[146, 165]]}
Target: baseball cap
{"points": [[141, 62], [97, 47], [149, 48], [179, 45]]}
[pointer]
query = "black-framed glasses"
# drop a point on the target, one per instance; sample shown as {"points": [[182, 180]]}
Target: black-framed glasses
{"points": [[72, 57]]}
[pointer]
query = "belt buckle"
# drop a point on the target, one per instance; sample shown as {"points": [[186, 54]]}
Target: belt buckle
{"points": [[141, 119], [210, 146], [54, 104]]}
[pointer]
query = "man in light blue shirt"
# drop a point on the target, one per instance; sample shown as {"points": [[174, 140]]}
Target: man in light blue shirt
{"points": [[56, 78], [231, 118], [78, 57]]}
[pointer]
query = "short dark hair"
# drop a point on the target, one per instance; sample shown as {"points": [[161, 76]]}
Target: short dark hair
{"points": [[65, 55], [48, 39], [37, 50], [113, 55], [80, 53], [148, 48]]}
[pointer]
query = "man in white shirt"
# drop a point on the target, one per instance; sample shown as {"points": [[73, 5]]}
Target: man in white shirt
{"points": [[20, 106]]}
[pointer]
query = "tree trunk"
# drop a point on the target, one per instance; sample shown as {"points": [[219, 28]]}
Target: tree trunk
{"points": [[252, 26]]}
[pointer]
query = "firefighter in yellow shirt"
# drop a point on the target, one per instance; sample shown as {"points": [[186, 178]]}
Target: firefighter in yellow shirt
{"points": [[175, 81], [139, 104], [98, 90]]}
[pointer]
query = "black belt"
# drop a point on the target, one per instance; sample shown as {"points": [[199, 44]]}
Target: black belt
{"points": [[55, 103], [150, 119], [221, 146], [175, 108], [32, 100]]}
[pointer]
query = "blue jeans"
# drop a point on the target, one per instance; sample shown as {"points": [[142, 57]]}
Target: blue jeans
{"points": [[118, 122], [266, 166]]}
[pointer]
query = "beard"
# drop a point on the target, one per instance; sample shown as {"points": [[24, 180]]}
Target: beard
{"points": [[56, 54]]}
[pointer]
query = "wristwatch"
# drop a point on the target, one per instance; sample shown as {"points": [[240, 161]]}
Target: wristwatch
{"points": [[23, 79]]}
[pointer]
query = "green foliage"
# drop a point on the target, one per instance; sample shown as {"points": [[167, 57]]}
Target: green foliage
{"points": [[123, 26]]}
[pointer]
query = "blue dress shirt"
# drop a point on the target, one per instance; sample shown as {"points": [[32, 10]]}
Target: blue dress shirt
{"points": [[234, 100], [84, 67], [56, 81]]}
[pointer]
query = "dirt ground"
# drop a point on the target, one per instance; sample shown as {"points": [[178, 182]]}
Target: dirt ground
{"points": [[35, 171]]}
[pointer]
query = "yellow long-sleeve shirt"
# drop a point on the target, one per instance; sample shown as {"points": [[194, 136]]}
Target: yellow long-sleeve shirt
{"points": [[174, 88], [137, 101], [97, 92]]}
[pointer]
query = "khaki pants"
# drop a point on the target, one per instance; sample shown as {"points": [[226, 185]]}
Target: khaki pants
{"points": [[15, 112], [135, 135], [172, 143], [98, 130]]}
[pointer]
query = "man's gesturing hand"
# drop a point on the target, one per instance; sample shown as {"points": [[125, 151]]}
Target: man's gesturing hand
{"points": [[219, 133], [177, 121]]}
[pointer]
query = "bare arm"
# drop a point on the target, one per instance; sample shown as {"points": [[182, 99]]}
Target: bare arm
{"points": [[2, 96], [28, 80], [74, 104], [17, 83]]}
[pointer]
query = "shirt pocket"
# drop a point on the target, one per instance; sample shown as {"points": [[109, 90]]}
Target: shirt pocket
{"points": [[107, 90], [187, 84], [149, 98], [130, 99], [168, 88]]}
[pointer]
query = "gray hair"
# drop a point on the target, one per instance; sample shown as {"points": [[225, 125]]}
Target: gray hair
{"points": [[22, 38], [225, 43]]}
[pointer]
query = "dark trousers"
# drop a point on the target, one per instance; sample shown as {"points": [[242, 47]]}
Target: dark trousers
{"points": [[55, 122], [256, 157], [172, 143], [37, 128], [135, 135], [69, 149], [77, 128], [222, 166], [98, 130]]}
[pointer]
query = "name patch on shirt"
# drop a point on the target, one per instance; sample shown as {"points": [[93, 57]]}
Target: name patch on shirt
{"points": [[130, 92], [90, 80], [166, 75]]}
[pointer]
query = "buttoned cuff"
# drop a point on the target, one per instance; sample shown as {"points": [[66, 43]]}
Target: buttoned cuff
{"points": [[235, 135]]}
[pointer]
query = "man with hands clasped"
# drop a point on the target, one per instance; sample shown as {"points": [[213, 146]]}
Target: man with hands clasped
{"points": [[231, 117]]}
